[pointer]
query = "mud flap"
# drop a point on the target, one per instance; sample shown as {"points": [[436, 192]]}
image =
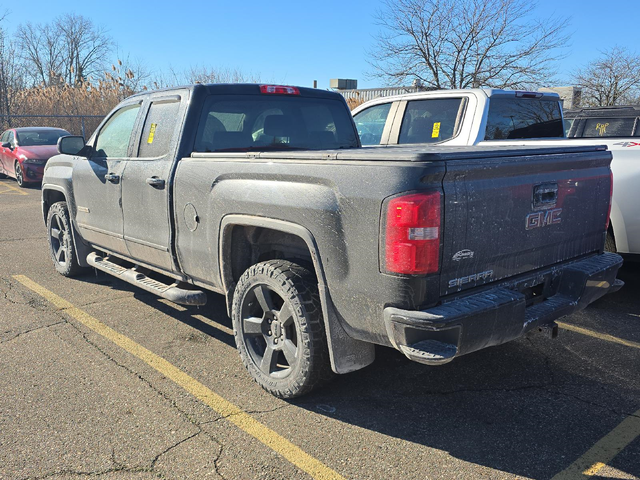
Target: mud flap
{"points": [[346, 354]]}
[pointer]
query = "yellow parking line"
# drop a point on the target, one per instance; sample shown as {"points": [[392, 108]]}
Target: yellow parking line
{"points": [[604, 450], [14, 190], [233, 413], [601, 336]]}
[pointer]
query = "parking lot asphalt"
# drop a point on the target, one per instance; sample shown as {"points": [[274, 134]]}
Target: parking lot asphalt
{"points": [[100, 379]]}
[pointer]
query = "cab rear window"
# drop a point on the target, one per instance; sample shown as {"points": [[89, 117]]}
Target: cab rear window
{"points": [[512, 118], [253, 122]]}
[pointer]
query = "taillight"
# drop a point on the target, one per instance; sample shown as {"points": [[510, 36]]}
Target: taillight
{"points": [[610, 200], [279, 90], [412, 241]]}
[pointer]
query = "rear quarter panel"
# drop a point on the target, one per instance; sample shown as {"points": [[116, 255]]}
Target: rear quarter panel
{"points": [[339, 202]]}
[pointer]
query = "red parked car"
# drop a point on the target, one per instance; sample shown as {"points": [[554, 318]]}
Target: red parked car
{"points": [[24, 152]]}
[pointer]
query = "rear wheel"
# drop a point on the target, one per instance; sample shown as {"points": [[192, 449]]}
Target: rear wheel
{"points": [[61, 246], [279, 329], [19, 175]]}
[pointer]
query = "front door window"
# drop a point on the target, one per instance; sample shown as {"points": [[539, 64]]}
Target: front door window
{"points": [[114, 137]]}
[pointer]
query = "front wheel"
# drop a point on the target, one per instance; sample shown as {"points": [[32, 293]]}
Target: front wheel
{"points": [[19, 175], [61, 246], [279, 329]]}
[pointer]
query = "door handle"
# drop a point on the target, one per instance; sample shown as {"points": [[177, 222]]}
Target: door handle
{"points": [[156, 182], [112, 177]]}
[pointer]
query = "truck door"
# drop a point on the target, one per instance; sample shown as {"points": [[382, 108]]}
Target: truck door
{"points": [[145, 184], [97, 181]]}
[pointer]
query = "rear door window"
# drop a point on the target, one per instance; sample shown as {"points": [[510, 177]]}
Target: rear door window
{"points": [[608, 127], [430, 121], [512, 118], [159, 129], [370, 123]]}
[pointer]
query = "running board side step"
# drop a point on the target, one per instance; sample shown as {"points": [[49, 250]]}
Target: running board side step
{"points": [[172, 292]]}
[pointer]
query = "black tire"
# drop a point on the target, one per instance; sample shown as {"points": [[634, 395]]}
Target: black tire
{"points": [[279, 328], [610, 243], [61, 246], [19, 175]]}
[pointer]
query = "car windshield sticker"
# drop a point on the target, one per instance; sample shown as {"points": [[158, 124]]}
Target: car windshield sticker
{"points": [[152, 132], [436, 130]]}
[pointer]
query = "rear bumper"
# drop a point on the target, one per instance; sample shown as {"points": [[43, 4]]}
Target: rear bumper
{"points": [[495, 316]]}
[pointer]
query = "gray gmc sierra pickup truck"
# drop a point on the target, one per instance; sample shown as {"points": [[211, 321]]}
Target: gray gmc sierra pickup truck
{"points": [[323, 248]]}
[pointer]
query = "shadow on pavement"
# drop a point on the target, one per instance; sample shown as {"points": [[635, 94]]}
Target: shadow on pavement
{"points": [[530, 407]]}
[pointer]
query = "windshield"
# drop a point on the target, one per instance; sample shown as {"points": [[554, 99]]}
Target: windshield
{"points": [[274, 122], [511, 117], [34, 138]]}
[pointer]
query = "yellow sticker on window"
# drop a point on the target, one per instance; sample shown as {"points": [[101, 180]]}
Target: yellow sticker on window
{"points": [[152, 132], [602, 128], [436, 130]]}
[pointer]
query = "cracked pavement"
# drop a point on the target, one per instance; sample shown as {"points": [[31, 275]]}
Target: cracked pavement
{"points": [[74, 405]]}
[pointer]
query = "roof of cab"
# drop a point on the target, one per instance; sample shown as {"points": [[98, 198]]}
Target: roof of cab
{"points": [[241, 89], [620, 111], [483, 92]]}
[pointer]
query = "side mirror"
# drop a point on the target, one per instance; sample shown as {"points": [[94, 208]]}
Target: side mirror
{"points": [[71, 145], [6, 145]]}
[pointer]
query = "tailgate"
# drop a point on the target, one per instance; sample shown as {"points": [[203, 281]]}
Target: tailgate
{"points": [[506, 215]]}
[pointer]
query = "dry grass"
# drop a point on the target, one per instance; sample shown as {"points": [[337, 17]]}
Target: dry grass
{"points": [[63, 99], [354, 102]]}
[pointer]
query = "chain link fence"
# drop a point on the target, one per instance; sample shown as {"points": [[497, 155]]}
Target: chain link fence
{"points": [[83, 125]]}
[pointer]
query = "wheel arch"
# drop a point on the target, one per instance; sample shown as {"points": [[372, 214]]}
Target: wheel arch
{"points": [[50, 195], [618, 228], [53, 194], [346, 353], [230, 272]]}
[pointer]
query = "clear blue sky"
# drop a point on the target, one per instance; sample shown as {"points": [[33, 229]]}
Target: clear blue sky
{"points": [[291, 42]]}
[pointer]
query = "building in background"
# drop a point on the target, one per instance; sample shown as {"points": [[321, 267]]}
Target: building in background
{"points": [[354, 96], [570, 96]]}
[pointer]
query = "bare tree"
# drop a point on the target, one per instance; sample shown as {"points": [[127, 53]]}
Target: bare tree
{"points": [[41, 50], [86, 47], [68, 50], [467, 43], [202, 74], [611, 79], [129, 76], [11, 76]]}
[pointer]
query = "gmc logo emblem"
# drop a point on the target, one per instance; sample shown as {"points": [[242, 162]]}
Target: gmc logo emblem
{"points": [[542, 219]]}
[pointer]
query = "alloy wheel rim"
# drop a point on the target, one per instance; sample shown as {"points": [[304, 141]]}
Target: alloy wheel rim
{"points": [[19, 174], [269, 332], [57, 233]]}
